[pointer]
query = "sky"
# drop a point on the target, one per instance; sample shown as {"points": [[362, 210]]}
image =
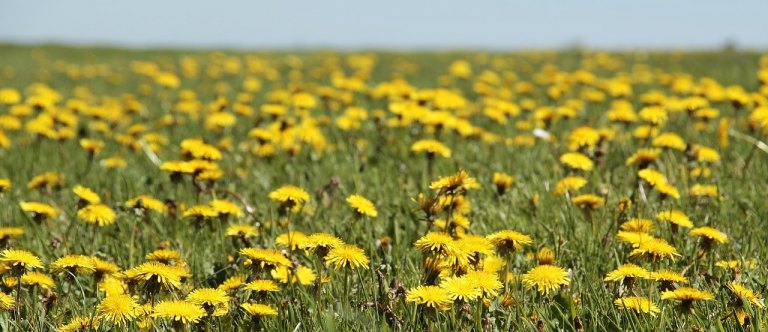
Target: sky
{"points": [[388, 24]]}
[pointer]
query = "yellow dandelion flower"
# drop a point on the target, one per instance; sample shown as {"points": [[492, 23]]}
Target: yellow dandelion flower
{"points": [[97, 214], [488, 282], [147, 202], [178, 311], [165, 256], [40, 210], [78, 324], [653, 177], [686, 294], [347, 255], [675, 217], [655, 249], [461, 288], [73, 264], [262, 286], [576, 160], [214, 301], [118, 309], [509, 240], [232, 283], [430, 297], [200, 212], [638, 225], [436, 242], [546, 278], [42, 280], [292, 240], [643, 157], [86, 194], [5, 185], [745, 295], [627, 271], [154, 274], [503, 182], [265, 258], [588, 201], [638, 304], [10, 232], [669, 141], [703, 190], [6, 302], [668, 276], [569, 184], [223, 207], [242, 230], [634, 238], [456, 184], [93, 146], [710, 234], [259, 310], [289, 194], [301, 274], [362, 206], [431, 147], [20, 259]]}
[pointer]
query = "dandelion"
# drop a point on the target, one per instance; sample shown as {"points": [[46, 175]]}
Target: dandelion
{"points": [[668, 279], [643, 157], [627, 272], [214, 301], [86, 196], [686, 296], [432, 297], [97, 214], [321, 243], [588, 201], [301, 274], [431, 148], [226, 208], [546, 278], [181, 312], [73, 264], [146, 202], [346, 255], [292, 240], [745, 295], [676, 218], [243, 231], [577, 161], [457, 184], [709, 235], [259, 310], [569, 184], [655, 249], [362, 206], [265, 258], [232, 283], [42, 280], [503, 182], [487, 282], [165, 256], [461, 289], [261, 286], [77, 324], [436, 243], [508, 241], [20, 260], [40, 211], [289, 194], [118, 309], [6, 302], [638, 304]]}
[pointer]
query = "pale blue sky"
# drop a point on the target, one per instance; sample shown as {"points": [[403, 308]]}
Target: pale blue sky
{"points": [[399, 24]]}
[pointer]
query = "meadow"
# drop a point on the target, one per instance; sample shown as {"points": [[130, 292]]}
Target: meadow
{"points": [[565, 190]]}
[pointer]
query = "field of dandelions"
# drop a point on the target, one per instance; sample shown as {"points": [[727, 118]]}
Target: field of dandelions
{"points": [[322, 191]]}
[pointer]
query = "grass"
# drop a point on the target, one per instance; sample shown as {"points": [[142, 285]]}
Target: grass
{"points": [[375, 161]]}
